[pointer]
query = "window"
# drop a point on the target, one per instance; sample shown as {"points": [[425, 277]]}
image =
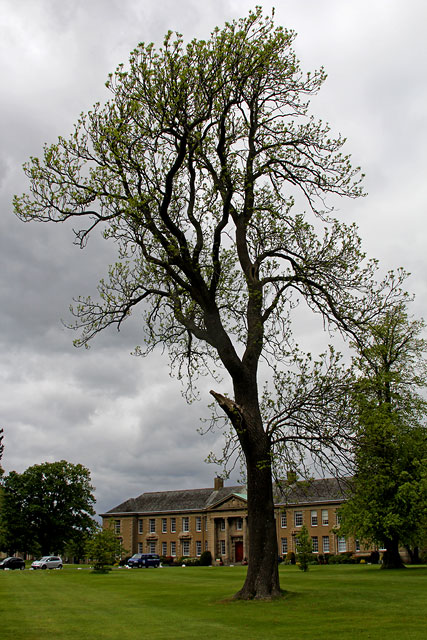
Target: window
{"points": [[164, 526], [186, 524], [337, 517], [198, 523], [140, 549], [185, 547], [325, 517], [222, 526], [341, 544], [283, 521], [315, 544], [298, 518], [222, 547], [313, 518], [152, 527], [173, 525], [284, 546], [357, 543], [325, 543], [152, 547], [173, 549], [239, 524], [206, 545], [164, 548], [198, 548], [140, 529], [117, 526]]}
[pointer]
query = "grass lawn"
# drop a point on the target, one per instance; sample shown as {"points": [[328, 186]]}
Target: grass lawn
{"points": [[340, 601]]}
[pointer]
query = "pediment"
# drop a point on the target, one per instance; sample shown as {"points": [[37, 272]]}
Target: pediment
{"points": [[231, 503]]}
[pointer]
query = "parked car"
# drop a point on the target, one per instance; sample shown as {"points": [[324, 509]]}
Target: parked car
{"points": [[146, 560], [12, 563], [47, 562]]}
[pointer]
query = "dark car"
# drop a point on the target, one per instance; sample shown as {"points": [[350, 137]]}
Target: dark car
{"points": [[146, 560], [12, 563]]}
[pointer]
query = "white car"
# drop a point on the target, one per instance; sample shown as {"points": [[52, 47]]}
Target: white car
{"points": [[47, 562]]}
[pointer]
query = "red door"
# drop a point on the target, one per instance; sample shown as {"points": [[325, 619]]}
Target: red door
{"points": [[238, 551]]}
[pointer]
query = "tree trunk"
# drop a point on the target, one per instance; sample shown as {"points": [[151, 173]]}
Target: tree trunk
{"points": [[391, 557], [262, 578]]}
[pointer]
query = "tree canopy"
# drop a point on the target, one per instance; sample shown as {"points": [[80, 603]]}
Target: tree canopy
{"points": [[45, 507], [194, 168], [389, 502]]}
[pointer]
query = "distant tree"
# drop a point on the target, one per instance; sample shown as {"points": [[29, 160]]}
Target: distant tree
{"points": [[103, 548], [304, 548], [46, 506], [193, 169], [388, 506]]}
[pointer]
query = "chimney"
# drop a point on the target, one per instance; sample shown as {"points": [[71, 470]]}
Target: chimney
{"points": [[218, 483]]}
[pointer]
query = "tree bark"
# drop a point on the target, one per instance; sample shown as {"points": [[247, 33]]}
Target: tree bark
{"points": [[391, 557], [262, 578]]}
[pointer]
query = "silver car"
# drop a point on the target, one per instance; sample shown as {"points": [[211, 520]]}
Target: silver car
{"points": [[47, 562]]}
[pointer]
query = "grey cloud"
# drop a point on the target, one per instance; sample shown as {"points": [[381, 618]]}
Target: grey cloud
{"points": [[124, 417]]}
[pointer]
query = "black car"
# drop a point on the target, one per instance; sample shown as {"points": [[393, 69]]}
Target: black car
{"points": [[146, 560], [12, 563]]}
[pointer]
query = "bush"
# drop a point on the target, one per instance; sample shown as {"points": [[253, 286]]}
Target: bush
{"points": [[342, 558], [168, 560], [290, 558], [189, 562], [205, 559]]}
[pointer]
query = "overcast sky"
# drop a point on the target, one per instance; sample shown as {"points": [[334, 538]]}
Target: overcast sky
{"points": [[124, 417]]}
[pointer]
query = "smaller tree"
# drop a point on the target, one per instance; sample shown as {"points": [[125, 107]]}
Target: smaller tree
{"points": [[304, 548], [103, 549], [388, 506], [46, 507]]}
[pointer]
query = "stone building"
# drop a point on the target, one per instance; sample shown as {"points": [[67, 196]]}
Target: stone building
{"points": [[185, 523]]}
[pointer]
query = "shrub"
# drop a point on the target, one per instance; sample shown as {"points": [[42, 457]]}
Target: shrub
{"points": [[189, 562], [375, 557], [290, 558], [205, 559]]}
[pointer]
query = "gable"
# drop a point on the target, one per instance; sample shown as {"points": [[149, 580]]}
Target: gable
{"points": [[231, 503]]}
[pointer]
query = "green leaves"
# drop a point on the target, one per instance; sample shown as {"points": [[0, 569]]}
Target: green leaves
{"points": [[47, 506]]}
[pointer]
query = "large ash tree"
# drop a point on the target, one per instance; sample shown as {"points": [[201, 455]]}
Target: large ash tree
{"points": [[192, 168]]}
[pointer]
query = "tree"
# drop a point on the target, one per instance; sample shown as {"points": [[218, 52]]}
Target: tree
{"points": [[46, 506], [389, 499], [304, 548], [193, 168], [103, 548]]}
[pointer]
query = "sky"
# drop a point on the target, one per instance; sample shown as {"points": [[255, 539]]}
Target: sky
{"points": [[122, 416]]}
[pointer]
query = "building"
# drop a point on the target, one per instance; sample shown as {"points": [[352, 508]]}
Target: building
{"points": [[186, 523]]}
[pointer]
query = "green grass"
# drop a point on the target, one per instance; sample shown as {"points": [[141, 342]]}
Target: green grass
{"points": [[343, 602]]}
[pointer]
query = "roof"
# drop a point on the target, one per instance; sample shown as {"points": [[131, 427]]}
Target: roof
{"points": [[168, 501], [303, 492], [313, 491]]}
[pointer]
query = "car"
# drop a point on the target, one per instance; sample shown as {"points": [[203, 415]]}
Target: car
{"points": [[146, 560], [47, 562], [12, 563]]}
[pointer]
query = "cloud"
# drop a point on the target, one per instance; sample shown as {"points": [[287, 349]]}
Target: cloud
{"points": [[121, 416]]}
